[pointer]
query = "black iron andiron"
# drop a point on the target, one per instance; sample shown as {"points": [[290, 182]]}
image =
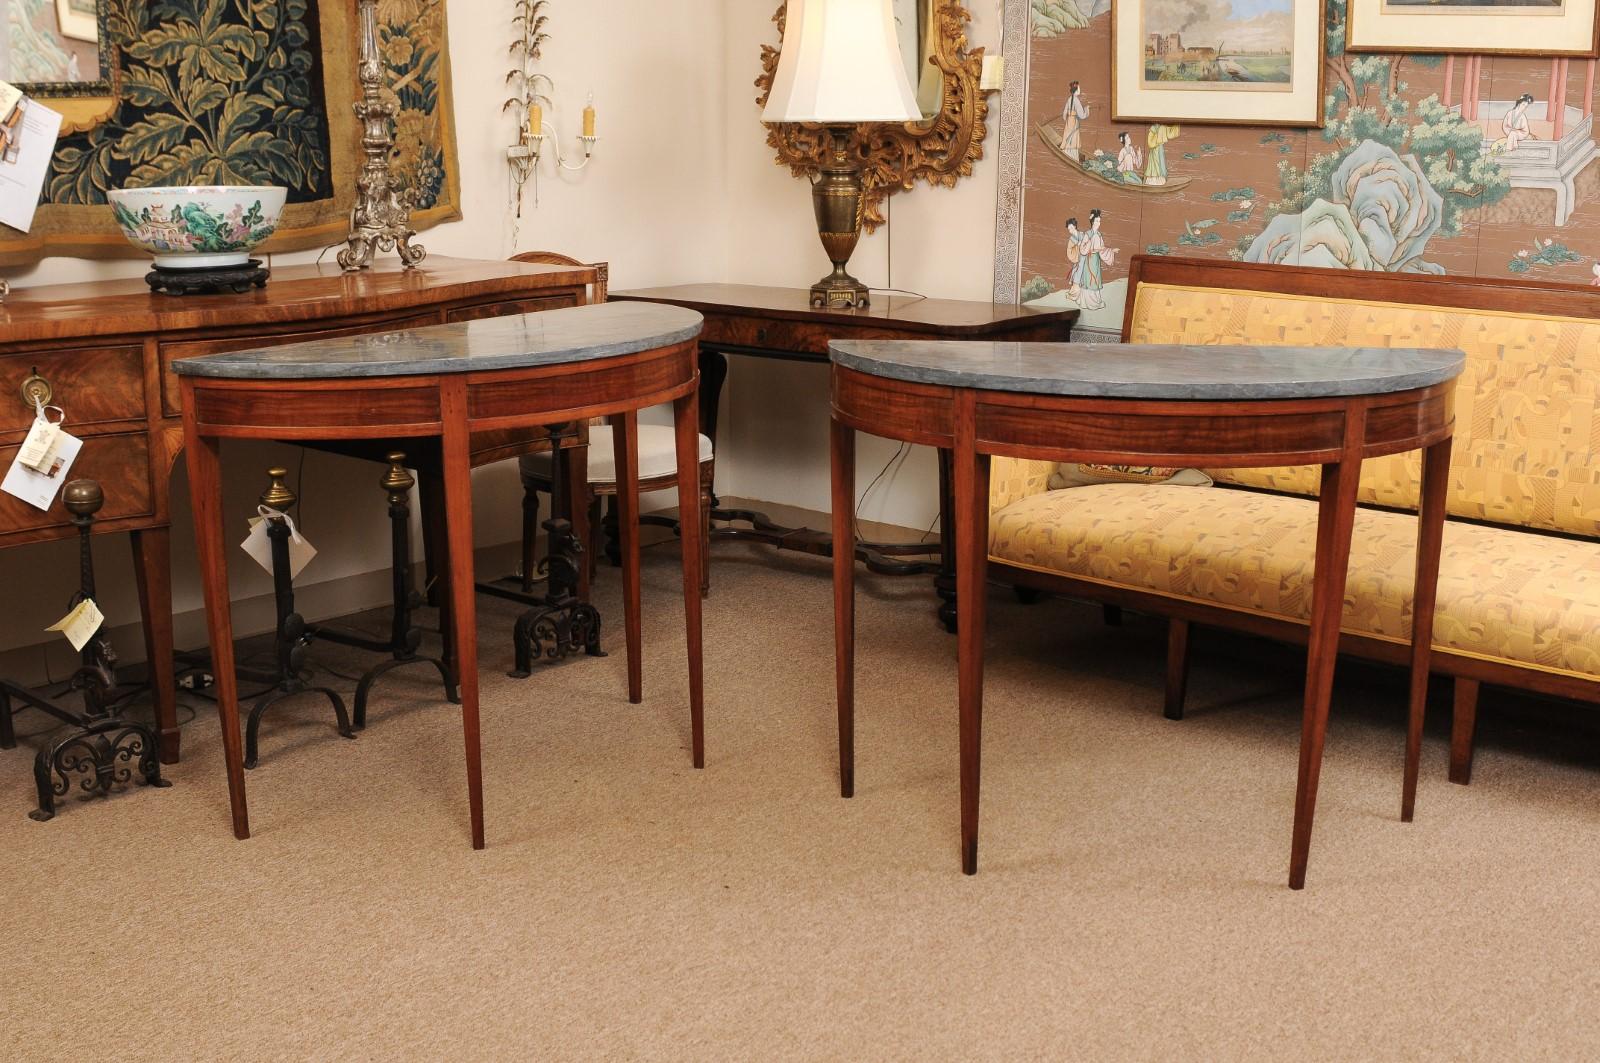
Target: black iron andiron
{"points": [[291, 635], [563, 623], [100, 749], [404, 636]]}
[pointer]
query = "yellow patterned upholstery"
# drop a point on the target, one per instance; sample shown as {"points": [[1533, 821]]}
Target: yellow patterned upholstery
{"points": [[1502, 594], [1014, 478], [1528, 419]]}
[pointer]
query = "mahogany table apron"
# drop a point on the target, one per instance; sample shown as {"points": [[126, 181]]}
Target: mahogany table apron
{"points": [[780, 323], [448, 382], [104, 351], [1206, 406]]}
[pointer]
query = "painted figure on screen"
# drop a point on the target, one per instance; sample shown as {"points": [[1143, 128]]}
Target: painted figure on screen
{"points": [[1088, 275], [1129, 159], [1072, 118], [1155, 167]]}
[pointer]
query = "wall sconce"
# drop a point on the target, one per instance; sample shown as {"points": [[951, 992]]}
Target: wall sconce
{"points": [[533, 93]]}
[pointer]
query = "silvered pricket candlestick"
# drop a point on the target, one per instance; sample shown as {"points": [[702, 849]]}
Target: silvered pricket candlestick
{"points": [[381, 217]]}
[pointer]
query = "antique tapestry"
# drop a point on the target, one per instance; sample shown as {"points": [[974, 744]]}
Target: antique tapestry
{"points": [[250, 92], [1473, 165]]}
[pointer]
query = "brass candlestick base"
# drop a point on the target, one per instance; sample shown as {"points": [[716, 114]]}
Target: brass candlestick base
{"points": [[837, 197]]}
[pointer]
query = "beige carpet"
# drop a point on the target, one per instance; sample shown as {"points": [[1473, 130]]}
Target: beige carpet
{"points": [[1131, 901]]}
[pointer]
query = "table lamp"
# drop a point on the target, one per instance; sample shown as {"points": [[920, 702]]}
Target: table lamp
{"points": [[840, 64]]}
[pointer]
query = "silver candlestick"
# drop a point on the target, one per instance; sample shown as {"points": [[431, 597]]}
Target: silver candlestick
{"points": [[381, 217]]}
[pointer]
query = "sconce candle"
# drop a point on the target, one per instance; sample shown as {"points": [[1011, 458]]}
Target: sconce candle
{"points": [[535, 120], [588, 117]]}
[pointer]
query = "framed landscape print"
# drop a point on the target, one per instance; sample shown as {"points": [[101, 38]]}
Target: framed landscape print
{"points": [[1225, 62], [79, 19], [1476, 27]]}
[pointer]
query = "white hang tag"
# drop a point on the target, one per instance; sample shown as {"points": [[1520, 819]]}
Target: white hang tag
{"points": [[80, 625], [259, 547], [39, 448], [38, 487]]}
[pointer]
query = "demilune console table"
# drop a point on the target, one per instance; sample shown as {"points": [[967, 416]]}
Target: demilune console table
{"points": [[781, 323], [1145, 405], [449, 383]]}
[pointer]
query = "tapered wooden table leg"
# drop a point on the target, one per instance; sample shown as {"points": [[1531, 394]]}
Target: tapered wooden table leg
{"points": [[686, 423], [1336, 510], [624, 437], [843, 451], [205, 492], [457, 465], [1425, 593], [152, 567], [970, 476]]}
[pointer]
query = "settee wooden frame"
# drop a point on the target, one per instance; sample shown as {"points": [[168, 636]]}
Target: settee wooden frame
{"points": [[1468, 671]]}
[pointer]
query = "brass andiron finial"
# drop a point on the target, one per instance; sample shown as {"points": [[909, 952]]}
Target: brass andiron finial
{"points": [[381, 217], [397, 482], [278, 494]]}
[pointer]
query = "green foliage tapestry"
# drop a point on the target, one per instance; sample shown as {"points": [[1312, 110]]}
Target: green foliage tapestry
{"points": [[248, 92]]}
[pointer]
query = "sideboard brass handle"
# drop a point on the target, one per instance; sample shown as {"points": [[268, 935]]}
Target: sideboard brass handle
{"points": [[36, 390]]}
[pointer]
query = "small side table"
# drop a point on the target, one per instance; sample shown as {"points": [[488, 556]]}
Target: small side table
{"points": [[1148, 405], [781, 323]]}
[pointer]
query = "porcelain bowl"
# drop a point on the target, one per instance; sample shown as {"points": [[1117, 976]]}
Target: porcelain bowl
{"points": [[198, 226]]}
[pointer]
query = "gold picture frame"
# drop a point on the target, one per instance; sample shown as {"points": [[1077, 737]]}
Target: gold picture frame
{"points": [[940, 149], [1212, 87], [1543, 28], [79, 19]]}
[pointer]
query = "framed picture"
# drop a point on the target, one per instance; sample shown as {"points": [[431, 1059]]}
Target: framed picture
{"points": [[1244, 62], [1475, 27], [80, 19]]}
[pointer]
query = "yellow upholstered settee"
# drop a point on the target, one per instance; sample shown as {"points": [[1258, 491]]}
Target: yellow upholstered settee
{"points": [[1519, 580]]}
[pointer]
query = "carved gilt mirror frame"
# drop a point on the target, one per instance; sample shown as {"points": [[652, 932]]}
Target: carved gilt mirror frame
{"points": [[939, 150]]}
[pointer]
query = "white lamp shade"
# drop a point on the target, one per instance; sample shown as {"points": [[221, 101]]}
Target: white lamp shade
{"points": [[840, 62]]}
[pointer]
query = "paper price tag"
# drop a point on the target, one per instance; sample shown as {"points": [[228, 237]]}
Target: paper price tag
{"points": [[39, 449], [38, 487], [80, 625], [259, 547]]}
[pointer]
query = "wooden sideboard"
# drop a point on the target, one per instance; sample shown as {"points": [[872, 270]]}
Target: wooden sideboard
{"points": [[104, 352]]}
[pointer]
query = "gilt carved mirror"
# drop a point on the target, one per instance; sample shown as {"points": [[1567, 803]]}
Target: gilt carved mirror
{"points": [[941, 148], [60, 50]]}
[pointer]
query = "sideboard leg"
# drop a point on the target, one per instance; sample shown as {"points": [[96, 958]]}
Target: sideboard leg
{"points": [[152, 567], [944, 584]]}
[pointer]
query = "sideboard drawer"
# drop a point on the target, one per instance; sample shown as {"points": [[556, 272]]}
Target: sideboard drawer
{"points": [[530, 305], [172, 405], [93, 385], [120, 462]]}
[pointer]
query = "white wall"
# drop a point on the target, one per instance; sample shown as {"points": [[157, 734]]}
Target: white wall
{"points": [[644, 204], [683, 188]]}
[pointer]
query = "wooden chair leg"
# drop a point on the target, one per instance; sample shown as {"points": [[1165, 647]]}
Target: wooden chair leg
{"points": [[593, 545], [1464, 723], [1177, 667]]}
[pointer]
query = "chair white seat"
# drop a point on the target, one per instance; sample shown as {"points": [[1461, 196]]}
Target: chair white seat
{"points": [[658, 455]]}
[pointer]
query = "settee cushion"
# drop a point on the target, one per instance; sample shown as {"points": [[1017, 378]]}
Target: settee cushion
{"points": [[1504, 594], [1527, 442]]}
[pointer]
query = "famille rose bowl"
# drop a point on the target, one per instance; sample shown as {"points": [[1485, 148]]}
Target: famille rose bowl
{"points": [[198, 226]]}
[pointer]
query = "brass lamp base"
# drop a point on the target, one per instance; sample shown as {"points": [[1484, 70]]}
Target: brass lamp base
{"points": [[837, 198]]}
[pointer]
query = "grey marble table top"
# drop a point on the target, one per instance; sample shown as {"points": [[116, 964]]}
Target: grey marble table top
{"points": [[549, 337], [1149, 371]]}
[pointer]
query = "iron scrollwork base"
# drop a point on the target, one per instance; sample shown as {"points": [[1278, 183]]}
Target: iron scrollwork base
{"points": [[98, 756], [563, 624]]}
